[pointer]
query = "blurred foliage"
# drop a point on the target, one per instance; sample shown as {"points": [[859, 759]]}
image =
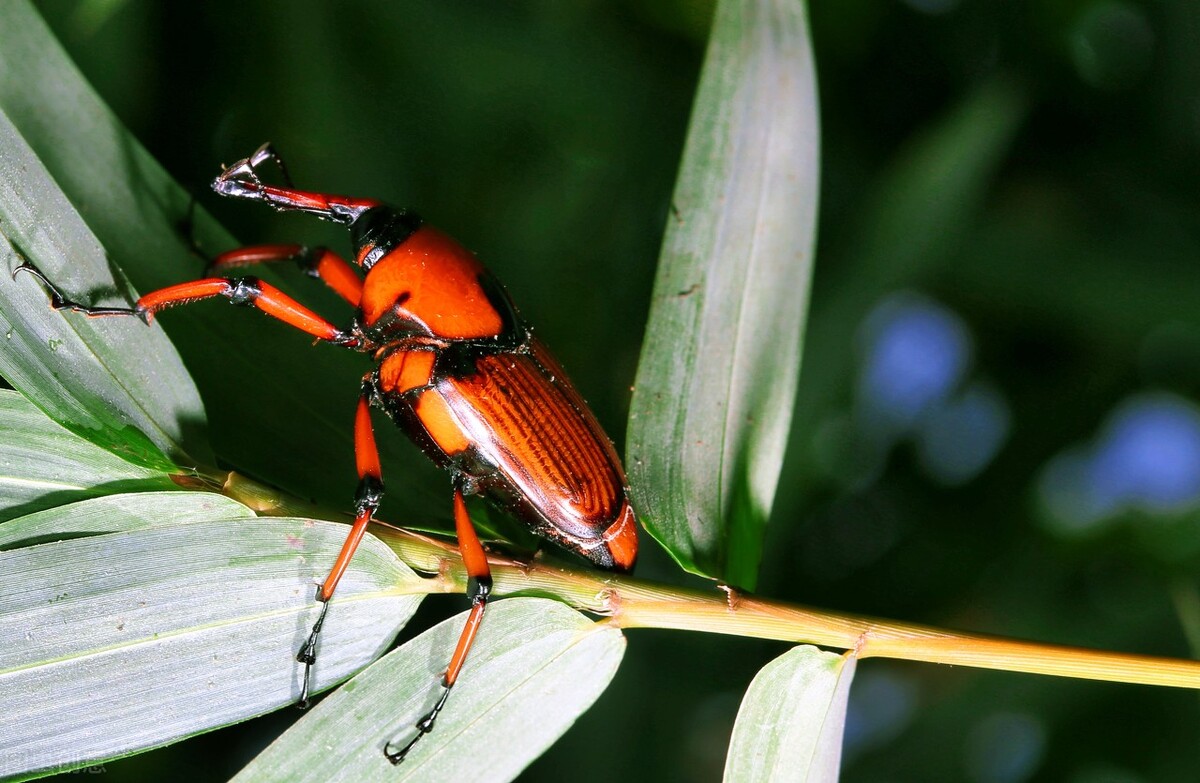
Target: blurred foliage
{"points": [[1030, 166]]}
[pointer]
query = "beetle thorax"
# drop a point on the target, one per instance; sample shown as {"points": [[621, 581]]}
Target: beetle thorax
{"points": [[429, 285]]}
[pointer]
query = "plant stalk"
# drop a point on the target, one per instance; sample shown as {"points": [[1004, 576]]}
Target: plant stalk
{"points": [[634, 603]]}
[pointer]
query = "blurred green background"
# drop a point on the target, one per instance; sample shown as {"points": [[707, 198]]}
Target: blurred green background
{"points": [[997, 428]]}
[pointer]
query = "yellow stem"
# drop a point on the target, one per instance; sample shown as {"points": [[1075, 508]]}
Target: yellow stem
{"points": [[634, 603]]}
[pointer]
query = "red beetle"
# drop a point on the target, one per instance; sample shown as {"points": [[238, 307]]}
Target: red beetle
{"points": [[458, 371]]}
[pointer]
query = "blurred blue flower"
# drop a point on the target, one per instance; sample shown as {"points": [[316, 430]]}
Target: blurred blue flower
{"points": [[1146, 458], [960, 439], [911, 384], [917, 352]]}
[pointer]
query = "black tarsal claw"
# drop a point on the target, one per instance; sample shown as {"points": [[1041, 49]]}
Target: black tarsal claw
{"points": [[263, 153], [423, 726], [25, 266], [57, 300], [308, 653]]}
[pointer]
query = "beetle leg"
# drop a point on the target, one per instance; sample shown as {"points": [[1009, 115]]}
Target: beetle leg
{"points": [[267, 152], [319, 262], [366, 501], [239, 291], [241, 181], [479, 585], [479, 588], [60, 301]]}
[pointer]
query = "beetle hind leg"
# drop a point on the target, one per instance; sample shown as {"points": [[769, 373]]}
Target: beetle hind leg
{"points": [[479, 590]]}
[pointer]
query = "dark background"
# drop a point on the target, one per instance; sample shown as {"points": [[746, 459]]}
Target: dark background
{"points": [[996, 428]]}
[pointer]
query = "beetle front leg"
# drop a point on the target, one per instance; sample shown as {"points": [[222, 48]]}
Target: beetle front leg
{"points": [[240, 291], [366, 501], [60, 301], [319, 262], [479, 589], [241, 181]]}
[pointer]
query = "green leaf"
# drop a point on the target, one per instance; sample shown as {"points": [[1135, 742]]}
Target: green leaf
{"points": [[112, 380], [43, 465], [717, 379], [116, 643], [535, 667], [789, 727], [258, 377], [117, 513]]}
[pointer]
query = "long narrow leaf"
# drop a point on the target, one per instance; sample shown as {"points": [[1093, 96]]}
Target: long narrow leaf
{"points": [[535, 667], [718, 373], [43, 465], [789, 728], [118, 513], [170, 631], [126, 387]]}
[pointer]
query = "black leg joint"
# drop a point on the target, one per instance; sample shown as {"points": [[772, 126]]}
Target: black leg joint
{"points": [[244, 290], [369, 494], [348, 339], [479, 589], [307, 260], [370, 391]]}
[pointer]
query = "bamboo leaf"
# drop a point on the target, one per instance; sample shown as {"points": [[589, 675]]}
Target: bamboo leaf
{"points": [[717, 379], [116, 513], [171, 631], [126, 388], [790, 724], [535, 667], [43, 465]]}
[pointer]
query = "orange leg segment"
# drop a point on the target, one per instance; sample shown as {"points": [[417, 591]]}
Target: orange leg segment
{"points": [[479, 588], [319, 262], [479, 584], [239, 291]]}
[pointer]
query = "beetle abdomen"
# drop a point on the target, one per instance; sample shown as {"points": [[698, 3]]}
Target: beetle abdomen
{"points": [[522, 431]]}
